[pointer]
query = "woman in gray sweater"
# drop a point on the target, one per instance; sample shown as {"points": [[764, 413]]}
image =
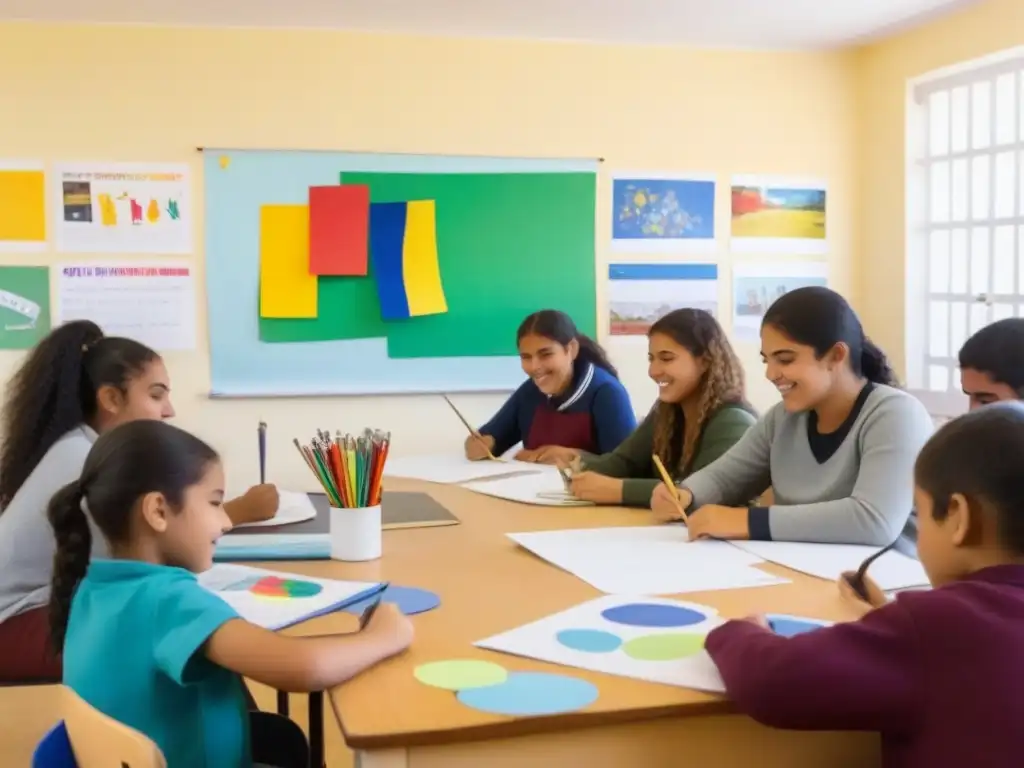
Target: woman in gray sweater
{"points": [[838, 451]]}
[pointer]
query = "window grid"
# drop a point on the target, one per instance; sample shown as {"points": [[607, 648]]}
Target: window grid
{"points": [[970, 245]]}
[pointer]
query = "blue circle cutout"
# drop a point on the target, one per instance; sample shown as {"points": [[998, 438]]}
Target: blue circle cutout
{"points": [[526, 694], [653, 615], [589, 640], [789, 627], [410, 600]]}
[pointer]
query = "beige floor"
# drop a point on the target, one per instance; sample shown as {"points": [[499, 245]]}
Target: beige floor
{"points": [[338, 755]]}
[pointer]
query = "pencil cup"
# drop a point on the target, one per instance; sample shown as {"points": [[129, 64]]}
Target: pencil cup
{"points": [[356, 534]]}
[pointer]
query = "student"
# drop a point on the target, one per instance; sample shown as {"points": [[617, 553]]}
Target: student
{"points": [[938, 672], [992, 363], [837, 450], [572, 399], [700, 413], [75, 384], [143, 642]]}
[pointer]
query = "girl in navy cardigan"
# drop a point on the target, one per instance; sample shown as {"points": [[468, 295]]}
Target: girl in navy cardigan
{"points": [[572, 399]]}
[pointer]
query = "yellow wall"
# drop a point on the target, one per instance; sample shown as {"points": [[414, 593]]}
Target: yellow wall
{"points": [[123, 93], [882, 74]]}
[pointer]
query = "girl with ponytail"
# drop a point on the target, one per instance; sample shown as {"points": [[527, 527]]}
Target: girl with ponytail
{"points": [[838, 451], [145, 643], [573, 397]]}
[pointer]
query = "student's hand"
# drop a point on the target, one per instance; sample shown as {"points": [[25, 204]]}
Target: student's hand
{"points": [[600, 489], [713, 521], [390, 627], [255, 505], [876, 598], [664, 506], [760, 620], [475, 450], [554, 454]]}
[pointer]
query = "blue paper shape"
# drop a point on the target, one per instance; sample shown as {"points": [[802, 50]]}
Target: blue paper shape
{"points": [[410, 600], [653, 615], [387, 244], [589, 640], [790, 626], [526, 694]]}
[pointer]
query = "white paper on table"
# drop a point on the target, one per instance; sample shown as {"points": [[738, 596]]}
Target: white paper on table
{"points": [[539, 640], [452, 469], [233, 584], [543, 487], [893, 570], [651, 560], [292, 507]]}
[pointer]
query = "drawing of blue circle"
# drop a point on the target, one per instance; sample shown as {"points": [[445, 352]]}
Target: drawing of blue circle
{"points": [[526, 694], [789, 627], [653, 615], [589, 640], [410, 600]]}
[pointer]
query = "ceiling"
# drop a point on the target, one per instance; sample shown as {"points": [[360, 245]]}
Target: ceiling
{"points": [[771, 24]]}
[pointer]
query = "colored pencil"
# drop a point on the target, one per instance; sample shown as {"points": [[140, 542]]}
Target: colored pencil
{"points": [[667, 480], [349, 467], [472, 432]]}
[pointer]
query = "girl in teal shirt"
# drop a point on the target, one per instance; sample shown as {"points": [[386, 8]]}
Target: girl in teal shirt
{"points": [[144, 643]]}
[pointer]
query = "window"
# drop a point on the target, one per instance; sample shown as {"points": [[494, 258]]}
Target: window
{"points": [[965, 216]]}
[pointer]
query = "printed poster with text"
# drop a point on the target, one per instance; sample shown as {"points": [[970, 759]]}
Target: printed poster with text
{"points": [[123, 208]]}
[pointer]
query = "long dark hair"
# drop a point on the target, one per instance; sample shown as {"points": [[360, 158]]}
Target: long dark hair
{"points": [[55, 390], [125, 464], [723, 383], [820, 318], [978, 455], [556, 325]]}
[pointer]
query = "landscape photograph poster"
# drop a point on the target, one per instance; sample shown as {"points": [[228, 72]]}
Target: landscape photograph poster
{"points": [[663, 213], [778, 215], [756, 285], [640, 294]]}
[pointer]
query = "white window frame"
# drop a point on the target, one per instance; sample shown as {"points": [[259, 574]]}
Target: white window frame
{"points": [[919, 228]]}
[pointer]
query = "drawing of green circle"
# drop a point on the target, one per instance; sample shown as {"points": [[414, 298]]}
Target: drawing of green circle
{"points": [[664, 647], [460, 674]]}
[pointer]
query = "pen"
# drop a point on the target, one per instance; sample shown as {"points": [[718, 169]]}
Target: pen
{"points": [[261, 432], [372, 608]]}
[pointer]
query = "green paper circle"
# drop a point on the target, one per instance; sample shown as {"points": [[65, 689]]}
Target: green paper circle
{"points": [[460, 674], [664, 647]]}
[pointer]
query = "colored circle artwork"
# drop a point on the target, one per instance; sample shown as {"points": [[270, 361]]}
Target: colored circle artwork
{"points": [[589, 640], [409, 600], [460, 674], [531, 694], [791, 626], [275, 587], [653, 615], [664, 647]]}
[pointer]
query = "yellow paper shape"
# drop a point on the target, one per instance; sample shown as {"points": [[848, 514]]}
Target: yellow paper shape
{"points": [[23, 206], [153, 211], [421, 272], [108, 211], [286, 287]]}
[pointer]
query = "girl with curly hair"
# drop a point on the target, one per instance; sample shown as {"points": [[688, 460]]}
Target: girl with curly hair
{"points": [[700, 413]]}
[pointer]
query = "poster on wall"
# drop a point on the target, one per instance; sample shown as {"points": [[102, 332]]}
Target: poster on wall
{"points": [[150, 302], [663, 213], [123, 208], [778, 215], [755, 286], [639, 294], [22, 206], [24, 306]]}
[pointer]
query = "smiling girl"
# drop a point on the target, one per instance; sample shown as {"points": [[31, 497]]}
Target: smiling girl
{"points": [[837, 451], [572, 399], [700, 413]]}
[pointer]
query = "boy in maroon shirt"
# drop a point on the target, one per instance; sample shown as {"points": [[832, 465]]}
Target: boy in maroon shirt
{"points": [[940, 674]]}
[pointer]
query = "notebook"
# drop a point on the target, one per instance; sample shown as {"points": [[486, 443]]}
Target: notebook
{"points": [[310, 540]]}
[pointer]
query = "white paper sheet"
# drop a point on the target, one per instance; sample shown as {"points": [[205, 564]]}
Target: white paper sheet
{"points": [[829, 561], [275, 600], [544, 487], [452, 469], [293, 507], [541, 640], [652, 560]]}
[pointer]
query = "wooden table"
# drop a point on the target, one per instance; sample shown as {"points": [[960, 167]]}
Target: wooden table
{"points": [[488, 585]]}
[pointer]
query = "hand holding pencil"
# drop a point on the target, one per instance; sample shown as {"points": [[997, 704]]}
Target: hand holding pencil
{"points": [[667, 502], [478, 447]]}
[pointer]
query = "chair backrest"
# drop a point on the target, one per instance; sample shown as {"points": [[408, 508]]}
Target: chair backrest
{"points": [[99, 741]]}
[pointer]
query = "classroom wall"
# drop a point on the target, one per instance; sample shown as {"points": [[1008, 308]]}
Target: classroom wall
{"points": [[142, 93], [882, 73]]}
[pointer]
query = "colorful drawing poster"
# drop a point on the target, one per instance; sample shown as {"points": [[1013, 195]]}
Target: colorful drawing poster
{"points": [[755, 286], [22, 206], [24, 306], [123, 208], [777, 215], [658, 213], [639, 294], [152, 303]]}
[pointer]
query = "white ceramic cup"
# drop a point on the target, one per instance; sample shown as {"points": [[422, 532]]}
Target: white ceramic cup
{"points": [[356, 534]]}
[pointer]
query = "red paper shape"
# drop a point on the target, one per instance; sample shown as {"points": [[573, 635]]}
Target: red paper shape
{"points": [[338, 229]]}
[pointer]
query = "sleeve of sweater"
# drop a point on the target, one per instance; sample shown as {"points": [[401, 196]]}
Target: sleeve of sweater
{"points": [[613, 416], [864, 675], [876, 512], [631, 461], [722, 432], [741, 473], [504, 425]]}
